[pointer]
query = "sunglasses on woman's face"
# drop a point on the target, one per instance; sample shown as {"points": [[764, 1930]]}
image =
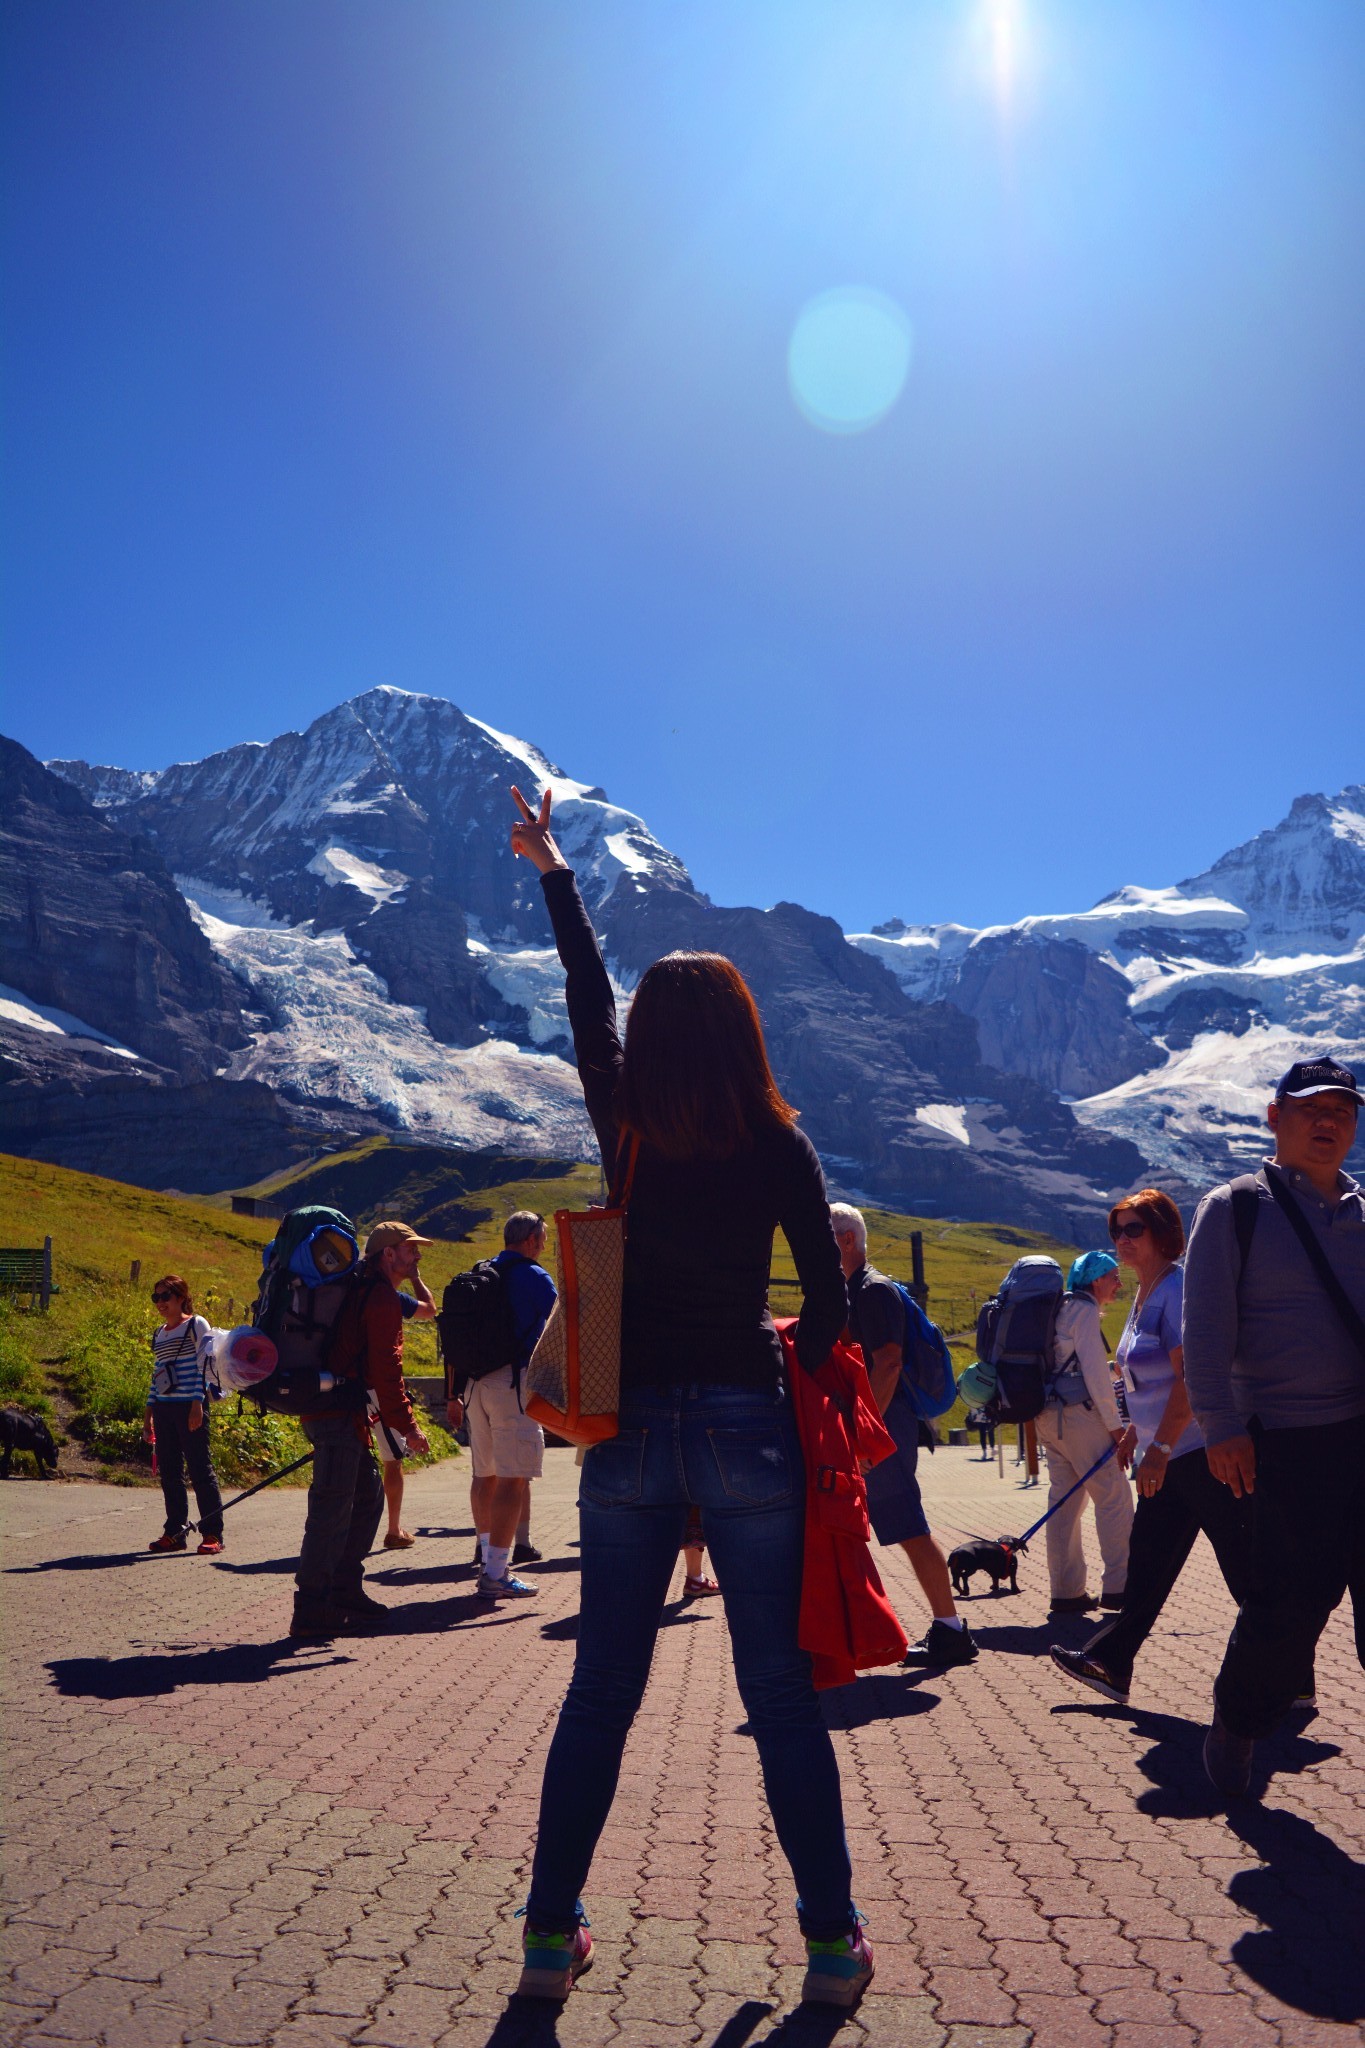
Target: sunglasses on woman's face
{"points": [[1130, 1230], [167, 1294]]}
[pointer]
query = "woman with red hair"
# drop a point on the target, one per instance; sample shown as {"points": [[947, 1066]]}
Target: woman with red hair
{"points": [[1177, 1494]]}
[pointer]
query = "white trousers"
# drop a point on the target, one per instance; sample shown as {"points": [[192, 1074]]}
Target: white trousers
{"points": [[1073, 1438]]}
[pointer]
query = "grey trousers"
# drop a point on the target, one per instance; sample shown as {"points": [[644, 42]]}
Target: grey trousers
{"points": [[345, 1506]]}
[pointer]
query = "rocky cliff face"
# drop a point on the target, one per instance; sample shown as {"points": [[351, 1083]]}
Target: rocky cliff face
{"points": [[1052, 1009], [893, 1094], [92, 925]]}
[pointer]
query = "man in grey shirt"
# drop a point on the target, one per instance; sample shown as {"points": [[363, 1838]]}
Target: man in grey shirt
{"points": [[1275, 1367]]}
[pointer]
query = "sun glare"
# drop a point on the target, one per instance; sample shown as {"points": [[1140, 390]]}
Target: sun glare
{"points": [[1003, 29], [848, 358]]}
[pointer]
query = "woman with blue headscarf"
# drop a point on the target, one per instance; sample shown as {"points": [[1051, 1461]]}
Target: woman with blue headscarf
{"points": [[1177, 1494], [1077, 1425]]}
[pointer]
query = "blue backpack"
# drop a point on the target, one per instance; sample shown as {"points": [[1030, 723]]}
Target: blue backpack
{"points": [[927, 1369]]}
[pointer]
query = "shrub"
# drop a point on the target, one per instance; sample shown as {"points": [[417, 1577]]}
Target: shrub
{"points": [[22, 1381]]}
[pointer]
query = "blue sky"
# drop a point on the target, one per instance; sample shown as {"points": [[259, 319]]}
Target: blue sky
{"points": [[446, 345]]}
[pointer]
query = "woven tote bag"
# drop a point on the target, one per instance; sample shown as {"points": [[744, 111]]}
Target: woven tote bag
{"points": [[573, 1380]]}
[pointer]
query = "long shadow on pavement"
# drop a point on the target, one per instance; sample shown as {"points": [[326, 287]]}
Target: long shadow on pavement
{"points": [[1307, 1892], [461, 1568], [532, 2023], [879, 1696], [155, 1673], [104, 1562], [1309, 1896]]}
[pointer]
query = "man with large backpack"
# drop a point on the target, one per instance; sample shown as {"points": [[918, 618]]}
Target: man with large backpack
{"points": [[879, 1321], [490, 1321], [1274, 1344], [346, 1494]]}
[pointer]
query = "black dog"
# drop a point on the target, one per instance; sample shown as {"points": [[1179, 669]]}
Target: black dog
{"points": [[998, 1560], [20, 1432]]}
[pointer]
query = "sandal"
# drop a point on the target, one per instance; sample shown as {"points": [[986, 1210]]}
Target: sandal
{"points": [[700, 1587], [399, 1540]]}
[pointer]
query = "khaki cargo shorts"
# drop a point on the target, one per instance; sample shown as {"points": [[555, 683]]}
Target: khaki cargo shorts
{"points": [[504, 1443]]}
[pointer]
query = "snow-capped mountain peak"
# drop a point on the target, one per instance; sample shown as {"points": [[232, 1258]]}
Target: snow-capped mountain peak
{"points": [[1196, 997]]}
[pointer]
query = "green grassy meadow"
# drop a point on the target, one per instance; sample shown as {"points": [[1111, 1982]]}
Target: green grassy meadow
{"points": [[86, 1363]]}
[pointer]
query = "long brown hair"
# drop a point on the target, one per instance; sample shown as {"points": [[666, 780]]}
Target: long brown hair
{"points": [[696, 1083], [177, 1285]]}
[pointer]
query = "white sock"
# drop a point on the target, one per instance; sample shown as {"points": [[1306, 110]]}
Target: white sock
{"points": [[950, 1621], [495, 1558], [482, 1540]]}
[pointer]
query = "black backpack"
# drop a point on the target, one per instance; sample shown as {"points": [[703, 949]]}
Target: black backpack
{"points": [[477, 1329], [309, 1272], [1015, 1332]]}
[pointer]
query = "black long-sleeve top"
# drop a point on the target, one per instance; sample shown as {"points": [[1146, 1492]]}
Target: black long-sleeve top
{"points": [[699, 1238]]}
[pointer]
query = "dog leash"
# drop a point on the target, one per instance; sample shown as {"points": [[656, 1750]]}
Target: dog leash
{"points": [[269, 1480], [1020, 1541]]}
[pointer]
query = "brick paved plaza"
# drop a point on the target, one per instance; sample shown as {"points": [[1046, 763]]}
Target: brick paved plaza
{"points": [[214, 1838]]}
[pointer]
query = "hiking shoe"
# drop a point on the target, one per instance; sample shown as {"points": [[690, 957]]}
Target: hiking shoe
{"points": [[1089, 1671], [1227, 1759], [526, 1553], [211, 1546], [552, 1962], [312, 1622], [174, 1539], [358, 1613], [509, 1587], [838, 1972], [1078, 1603], [943, 1646], [1305, 1703], [1113, 1602]]}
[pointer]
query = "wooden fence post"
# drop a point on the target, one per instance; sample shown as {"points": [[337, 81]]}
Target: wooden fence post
{"points": [[918, 1285], [46, 1290], [135, 1272]]}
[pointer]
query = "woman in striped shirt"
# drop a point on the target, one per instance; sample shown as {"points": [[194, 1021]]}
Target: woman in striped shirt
{"points": [[177, 1420]]}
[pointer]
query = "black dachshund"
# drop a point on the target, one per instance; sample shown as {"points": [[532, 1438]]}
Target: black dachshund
{"points": [[21, 1432], [998, 1560]]}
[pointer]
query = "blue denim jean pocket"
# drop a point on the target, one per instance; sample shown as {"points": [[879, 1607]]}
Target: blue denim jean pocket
{"points": [[614, 1472], [753, 1465]]}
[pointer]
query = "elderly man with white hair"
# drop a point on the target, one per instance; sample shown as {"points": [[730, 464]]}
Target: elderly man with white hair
{"points": [[876, 1315]]}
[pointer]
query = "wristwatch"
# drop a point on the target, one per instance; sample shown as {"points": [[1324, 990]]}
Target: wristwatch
{"points": [[1164, 1449]]}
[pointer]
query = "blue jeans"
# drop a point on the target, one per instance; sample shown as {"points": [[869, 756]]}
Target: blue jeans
{"points": [[737, 1455]]}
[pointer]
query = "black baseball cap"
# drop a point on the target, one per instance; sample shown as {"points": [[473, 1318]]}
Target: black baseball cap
{"points": [[1317, 1077]]}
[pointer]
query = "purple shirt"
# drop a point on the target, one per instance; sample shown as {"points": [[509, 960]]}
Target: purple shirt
{"points": [[1150, 1335]]}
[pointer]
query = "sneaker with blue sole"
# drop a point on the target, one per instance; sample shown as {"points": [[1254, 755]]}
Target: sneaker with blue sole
{"points": [[508, 1587], [838, 1972], [553, 1963]]}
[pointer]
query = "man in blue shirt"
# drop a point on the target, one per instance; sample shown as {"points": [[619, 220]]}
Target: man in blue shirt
{"points": [[506, 1446]]}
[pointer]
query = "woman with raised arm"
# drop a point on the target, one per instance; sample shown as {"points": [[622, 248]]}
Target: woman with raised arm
{"points": [[704, 1418]]}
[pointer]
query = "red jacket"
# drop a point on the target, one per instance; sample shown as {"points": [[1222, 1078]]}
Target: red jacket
{"points": [[847, 1623]]}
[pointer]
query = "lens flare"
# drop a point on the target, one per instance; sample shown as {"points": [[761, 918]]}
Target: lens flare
{"points": [[848, 358]]}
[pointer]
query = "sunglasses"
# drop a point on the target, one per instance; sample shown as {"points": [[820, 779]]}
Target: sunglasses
{"points": [[1129, 1230], [165, 1294]]}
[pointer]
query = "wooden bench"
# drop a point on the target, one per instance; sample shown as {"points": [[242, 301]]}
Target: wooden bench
{"points": [[26, 1271]]}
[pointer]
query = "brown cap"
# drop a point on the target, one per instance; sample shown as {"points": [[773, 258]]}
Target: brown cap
{"points": [[385, 1234]]}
